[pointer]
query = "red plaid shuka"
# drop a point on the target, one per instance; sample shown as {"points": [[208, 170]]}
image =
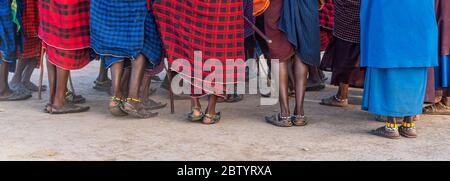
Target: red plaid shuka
{"points": [[64, 29], [32, 43], [215, 27], [326, 15]]}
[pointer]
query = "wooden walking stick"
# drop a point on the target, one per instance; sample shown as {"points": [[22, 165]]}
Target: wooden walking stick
{"points": [[41, 72], [169, 78], [257, 30], [71, 85]]}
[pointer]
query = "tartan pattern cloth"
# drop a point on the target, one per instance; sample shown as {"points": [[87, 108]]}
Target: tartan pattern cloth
{"points": [[64, 24], [68, 59], [32, 43], [10, 37], [248, 13], [347, 20], [124, 29], [64, 30], [214, 27], [326, 15]]}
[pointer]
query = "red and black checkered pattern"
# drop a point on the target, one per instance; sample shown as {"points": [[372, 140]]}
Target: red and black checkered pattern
{"points": [[64, 30], [326, 15], [32, 44], [68, 59], [215, 27], [64, 24]]}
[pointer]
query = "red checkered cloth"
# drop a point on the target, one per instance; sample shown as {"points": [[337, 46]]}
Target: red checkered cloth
{"points": [[64, 29], [215, 27], [32, 43], [326, 15]]}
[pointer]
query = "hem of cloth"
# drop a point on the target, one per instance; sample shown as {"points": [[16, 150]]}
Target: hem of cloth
{"points": [[64, 68], [391, 114]]}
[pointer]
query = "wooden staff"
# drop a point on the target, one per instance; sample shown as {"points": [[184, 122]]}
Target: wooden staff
{"points": [[41, 72], [257, 30], [71, 85], [169, 78]]}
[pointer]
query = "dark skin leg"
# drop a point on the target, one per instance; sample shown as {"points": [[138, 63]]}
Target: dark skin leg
{"points": [[144, 93], [314, 76], [137, 73], [301, 74], [29, 70], [284, 88], [5, 91], [51, 72], [125, 81], [20, 67], [62, 77], [116, 75], [195, 103], [343, 91], [103, 72]]}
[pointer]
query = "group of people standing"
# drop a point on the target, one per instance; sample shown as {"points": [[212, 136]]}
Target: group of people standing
{"points": [[400, 58]]}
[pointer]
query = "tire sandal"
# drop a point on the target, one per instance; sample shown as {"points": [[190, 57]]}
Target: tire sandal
{"points": [[116, 110], [153, 105], [334, 101], [195, 118], [386, 132], [213, 118], [436, 109], [299, 120], [68, 108], [102, 86], [279, 120], [138, 112], [16, 96], [74, 99]]}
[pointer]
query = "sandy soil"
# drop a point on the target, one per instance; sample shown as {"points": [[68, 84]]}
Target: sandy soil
{"points": [[333, 133]]}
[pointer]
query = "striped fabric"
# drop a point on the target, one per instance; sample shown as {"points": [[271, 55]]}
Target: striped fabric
{"points": [[32, 43], [64, 29], [214, 27], [9, 37], [347, 23], [124, 29]]}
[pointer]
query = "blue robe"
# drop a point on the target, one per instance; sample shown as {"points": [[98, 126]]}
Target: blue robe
{"points": [[399, 41]]}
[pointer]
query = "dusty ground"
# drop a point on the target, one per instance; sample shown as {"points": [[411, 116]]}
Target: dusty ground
{"points": [[333, 133]]}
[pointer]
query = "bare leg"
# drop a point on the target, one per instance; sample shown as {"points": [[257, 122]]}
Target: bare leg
{"points": [[31, 66], [51, 72], [17, 77], [116, 75], [137, 75], [343, 91], [284, 89], [103, 72], [301, 74], [62, 76], [196, 107], [125, 81], [5, 91], [144, 92]]}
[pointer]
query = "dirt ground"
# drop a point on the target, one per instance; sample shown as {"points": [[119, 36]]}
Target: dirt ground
{"points": [[333, 133]]}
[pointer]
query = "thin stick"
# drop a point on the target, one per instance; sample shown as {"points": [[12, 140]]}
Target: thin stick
{"points": [[169, 77], [71, 84], [257, 30], [41, 73]]}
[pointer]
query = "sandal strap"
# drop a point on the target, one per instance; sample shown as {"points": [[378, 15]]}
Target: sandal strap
{"points": [[339, 99], [134, 100], [117, 99]]}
